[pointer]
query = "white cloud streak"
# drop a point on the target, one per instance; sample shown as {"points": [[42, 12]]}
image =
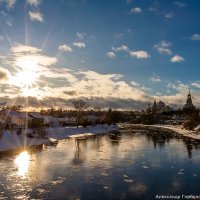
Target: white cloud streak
{"points": [[33, 2], [163, 47], [36, 16], [120, 48], [136, 10], [196, 84], [180, 4], [155, 78], [195, 37], [65, 48], [20, 48], [79, 44], [80, 35], [11, 3], [169, 16]]}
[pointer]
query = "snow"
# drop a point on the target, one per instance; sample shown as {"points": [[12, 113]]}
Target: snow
{"points": [[176, 128], [11, 141], [184, 132], [65, 132]]}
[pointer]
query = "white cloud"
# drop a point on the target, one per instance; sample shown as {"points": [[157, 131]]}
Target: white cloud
{"points": [[120, 48], [163, 47], [33, 2], [136, 10], [169, 16], [196, 84], [110, 54], [155, 78], [177, 58], [79, 44], [9, 23], [63, 84], [22, 59], [179, 97], [134, 83], [36, 16], [11, 3], [23, 55], [80, 35], [139, 54], [1, 38], [65, 48], [153, 9], [195, 37], [180, 4], [20, 48]]}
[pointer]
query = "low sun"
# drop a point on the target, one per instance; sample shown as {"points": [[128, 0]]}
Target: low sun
{"points": [[26, 76]]}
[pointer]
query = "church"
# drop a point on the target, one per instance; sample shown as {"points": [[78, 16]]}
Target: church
{"points": [[189, 105], [158, 108]]}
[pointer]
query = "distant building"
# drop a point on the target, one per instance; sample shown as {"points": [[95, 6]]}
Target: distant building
{"points": [[158, 107], [189, 105], [37, 120]]}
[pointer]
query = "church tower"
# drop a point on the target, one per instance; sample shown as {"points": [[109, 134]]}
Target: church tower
{"points": [[189, 105], [154, 107]]}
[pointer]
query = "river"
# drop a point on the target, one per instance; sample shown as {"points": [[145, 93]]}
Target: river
{"points": [[127, 165]]}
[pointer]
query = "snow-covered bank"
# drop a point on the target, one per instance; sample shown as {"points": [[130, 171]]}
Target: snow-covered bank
{"points": [[181, 131], [175, 128], [65, 132], [11, 141]]}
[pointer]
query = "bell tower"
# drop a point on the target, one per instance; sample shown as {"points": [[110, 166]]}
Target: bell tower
{"points": [[189, 105]]}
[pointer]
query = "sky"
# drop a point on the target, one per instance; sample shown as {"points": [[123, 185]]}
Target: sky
{"points": [[118, 53]]}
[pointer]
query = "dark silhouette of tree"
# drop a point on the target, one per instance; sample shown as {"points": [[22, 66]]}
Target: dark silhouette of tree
{"points": [[114, 117], [79, 106]]}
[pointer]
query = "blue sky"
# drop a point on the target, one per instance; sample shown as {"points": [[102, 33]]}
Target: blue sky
{"points": [[121, 51]]}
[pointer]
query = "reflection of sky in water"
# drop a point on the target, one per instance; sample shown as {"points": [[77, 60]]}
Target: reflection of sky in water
{"points": [[104, 167]]}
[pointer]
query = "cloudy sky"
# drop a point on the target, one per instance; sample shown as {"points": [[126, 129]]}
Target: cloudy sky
{"points": [[118, 53]]}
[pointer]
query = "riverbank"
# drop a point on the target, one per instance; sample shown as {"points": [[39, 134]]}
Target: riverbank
{"points": [[11, 141], [175, 129]]}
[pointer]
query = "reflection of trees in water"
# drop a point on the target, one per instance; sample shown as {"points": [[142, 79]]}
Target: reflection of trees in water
{"points": [[158, 139], [81, 145], [190, 145], [78, 156], [115, 138]]}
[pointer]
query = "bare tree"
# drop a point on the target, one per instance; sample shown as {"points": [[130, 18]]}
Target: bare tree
{"points": [[79, 106]]}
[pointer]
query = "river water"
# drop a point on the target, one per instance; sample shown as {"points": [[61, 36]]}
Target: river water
{"points": [[112, 166]]}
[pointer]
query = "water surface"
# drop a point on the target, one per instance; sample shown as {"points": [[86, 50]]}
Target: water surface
{"points": [[113, 166]]}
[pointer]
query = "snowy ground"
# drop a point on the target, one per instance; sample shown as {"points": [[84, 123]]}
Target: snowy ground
{"points": [[181, 131], [176, 128], [11, 141]]}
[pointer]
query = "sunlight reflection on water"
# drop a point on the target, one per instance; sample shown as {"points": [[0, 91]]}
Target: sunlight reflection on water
{"points": [[112, 166], [22, 162]]}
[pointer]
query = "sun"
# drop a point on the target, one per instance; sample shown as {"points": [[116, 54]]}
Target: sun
{"points": [[26, 78], [27, 75]]}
